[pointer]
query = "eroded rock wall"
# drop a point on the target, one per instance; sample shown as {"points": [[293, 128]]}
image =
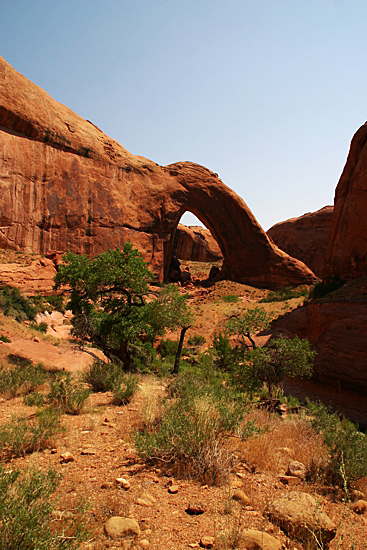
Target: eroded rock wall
{"points": [[65, 185], [195, 243]]}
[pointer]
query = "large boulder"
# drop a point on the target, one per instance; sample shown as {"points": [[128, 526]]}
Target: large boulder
{"points": [[65, 185], [305, 238], [347, 249], [196, 244]]}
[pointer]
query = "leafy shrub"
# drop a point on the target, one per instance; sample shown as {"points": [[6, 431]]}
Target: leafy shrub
{"points": [[25, 511], [41, 327], [286, 293], [191, 432], [23, 435], [196, 340], [326, 287], [168, 348], [56, 301], [348, 446], [247, 325], [34, 399], [14, 304], [230, 298], [125, 389], [22, 378], [104, 377], [225, 357], [67, 395], [4, 338]]}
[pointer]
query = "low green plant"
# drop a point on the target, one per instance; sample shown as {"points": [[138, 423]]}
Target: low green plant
{"points": [[56, 301], [125, 389], [225, 357], [347, 444], [193, 427], [230, 298], [40, 327], [167, 347], [14, 304], [66, 394], [196, 340], [286, 293], [4, 338], [22, 435], [247, 325], [22, 378], [34, 399], [26, 512]]}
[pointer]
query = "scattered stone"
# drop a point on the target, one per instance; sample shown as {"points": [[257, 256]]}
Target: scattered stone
{"points": [[106, 485], [53, 451], [66, 457], [195, 508], [297, 469], [289, 480], [300, 515], [241, 497], [144, 543], [205, 487], [36, 339], [207, 542], [173, 490], [118, 526], [88, 452], [146, 500], [359, 507], [124, 483], [258, 540]]}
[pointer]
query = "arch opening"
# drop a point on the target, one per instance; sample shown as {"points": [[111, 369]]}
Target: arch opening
{"points": [[192, 251]]}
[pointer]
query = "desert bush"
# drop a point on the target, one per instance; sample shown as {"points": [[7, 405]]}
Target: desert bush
{"points": [[21, 379], [225, 357], [34, 399], [124, 390], [286, 293], [230, 298], [4, 338], [347, 445], [168, 347], [25, 512], [66, 394], [23, 435], [14, 304], [196, 340], [40, 327], [192, 430], [56, 302]]}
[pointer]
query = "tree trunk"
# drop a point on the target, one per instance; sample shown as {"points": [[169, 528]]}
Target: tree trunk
{"points": [[125, 356], [179, 350]]}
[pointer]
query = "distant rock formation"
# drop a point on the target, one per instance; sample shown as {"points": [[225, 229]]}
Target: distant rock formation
{"points": [[305, 238], [65, 185], [347, 249], [195, 243]]}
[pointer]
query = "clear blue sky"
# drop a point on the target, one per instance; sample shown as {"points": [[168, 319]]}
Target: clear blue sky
{"points": [[267, 93]]}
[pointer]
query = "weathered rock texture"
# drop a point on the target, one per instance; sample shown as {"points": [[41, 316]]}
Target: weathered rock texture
{"points": [[36, 278], [195, 243], [347, 249], [65, 185], [305, 238]]}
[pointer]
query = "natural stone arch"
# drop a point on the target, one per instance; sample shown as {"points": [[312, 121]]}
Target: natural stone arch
{"points": [[65, 185]]}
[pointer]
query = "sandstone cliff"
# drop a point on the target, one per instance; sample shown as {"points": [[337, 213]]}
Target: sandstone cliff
{"points": [[195, 243], [65, 185], [305, 238]]}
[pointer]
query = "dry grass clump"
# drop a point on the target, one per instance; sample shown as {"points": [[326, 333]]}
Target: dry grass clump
{"points": [[281, 441]]}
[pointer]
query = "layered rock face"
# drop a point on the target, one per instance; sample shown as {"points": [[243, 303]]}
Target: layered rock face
{"points": [[305, 238], [195, 243], [65, 185]]}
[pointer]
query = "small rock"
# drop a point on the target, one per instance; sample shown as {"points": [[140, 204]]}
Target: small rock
{"points": [[297, 469], [36, 340], [259, 540], [118, 526], [241, 497], [53, 451], [88, 452], [66, 457], [289, 480], [144, 543], [146, 500], [106, 485], [173, 490], [207, 542], [359, 507], [195, 508], [124, 483]]}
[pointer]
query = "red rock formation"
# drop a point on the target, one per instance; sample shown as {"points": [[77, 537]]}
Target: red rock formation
{"points": [[305, 238], [347, 249], [66, 185], [195, 243], [37, 278]]}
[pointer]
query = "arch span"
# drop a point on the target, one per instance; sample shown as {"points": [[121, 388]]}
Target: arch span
{"points": [[249, 256]]}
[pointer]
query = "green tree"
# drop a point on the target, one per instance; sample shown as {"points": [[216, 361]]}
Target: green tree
{"points": [[247, 325], [271, 363], [108, 297]]}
